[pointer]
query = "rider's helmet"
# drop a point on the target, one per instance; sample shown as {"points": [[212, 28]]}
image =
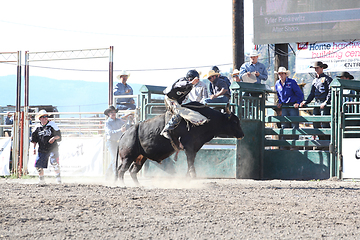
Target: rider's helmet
{"points": [[192, 74], [216, 69]]}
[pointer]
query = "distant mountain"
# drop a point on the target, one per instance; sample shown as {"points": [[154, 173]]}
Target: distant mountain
{"points": [[66, 95]]}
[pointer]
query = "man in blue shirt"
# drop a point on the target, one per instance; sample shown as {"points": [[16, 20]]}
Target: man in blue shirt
{"points": [[289, 94], [219, 89], [8, 119], [256, 68], [122, 88], [114, 128]]}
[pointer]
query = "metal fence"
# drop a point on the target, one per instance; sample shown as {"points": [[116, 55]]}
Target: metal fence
{"points": [[71, 124]]}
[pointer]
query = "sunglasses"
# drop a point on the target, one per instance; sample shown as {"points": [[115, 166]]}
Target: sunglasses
{"points": [[44, 116]]}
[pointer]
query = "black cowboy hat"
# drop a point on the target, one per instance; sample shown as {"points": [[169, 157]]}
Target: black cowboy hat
{"points": [[111, 108], [346, 74], [319, 64]]}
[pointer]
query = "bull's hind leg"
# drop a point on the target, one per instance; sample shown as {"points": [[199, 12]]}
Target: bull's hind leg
{"points": [[190, 155], [124, 166], [136, 167]]}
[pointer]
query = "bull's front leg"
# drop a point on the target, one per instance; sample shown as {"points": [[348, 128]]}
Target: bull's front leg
{"points": [[121, 174], [136, 167], [190, 161], [123, 167]]}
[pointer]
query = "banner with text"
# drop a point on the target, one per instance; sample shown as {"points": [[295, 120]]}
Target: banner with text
{"points": [[5, 147], [78, 157], [339, 56]]}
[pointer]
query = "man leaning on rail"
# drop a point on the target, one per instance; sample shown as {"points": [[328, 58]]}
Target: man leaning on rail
{"points": [[320, 90], [122, 88]]}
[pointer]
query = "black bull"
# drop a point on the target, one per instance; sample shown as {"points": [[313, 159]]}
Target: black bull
{"points": [[143, 141]]}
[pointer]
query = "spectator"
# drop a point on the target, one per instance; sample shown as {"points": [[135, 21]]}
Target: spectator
{"points": [[289, 94], [47, 134], [122, 88], [114, 127], [236, 76], [198, 93], [174, 96], [320, 90], [349, 108], [219, 89], [9, 119], [347, 76], [255, 68], [226, 79]]}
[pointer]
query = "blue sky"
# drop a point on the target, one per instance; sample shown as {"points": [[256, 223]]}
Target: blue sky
{"points": [[146, 35]]}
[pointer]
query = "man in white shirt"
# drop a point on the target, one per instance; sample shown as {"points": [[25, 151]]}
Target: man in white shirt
{"points": [[198, 93]]}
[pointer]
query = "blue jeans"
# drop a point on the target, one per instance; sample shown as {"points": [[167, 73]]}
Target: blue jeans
{"points": [[290, 112], [221, 99], [42, 158], [111, 171], [128, 106], [322, 112]]}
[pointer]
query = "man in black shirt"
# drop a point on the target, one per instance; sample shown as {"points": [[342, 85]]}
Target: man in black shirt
{"points": [[320, 90], [47, 134]]}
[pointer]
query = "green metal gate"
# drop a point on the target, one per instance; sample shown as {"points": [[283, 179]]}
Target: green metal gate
{"points": [[262, 154], [346, 120], [217, 159]]}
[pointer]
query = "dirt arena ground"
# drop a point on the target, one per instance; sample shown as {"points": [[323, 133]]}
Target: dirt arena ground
{"points": [[179, 209]]}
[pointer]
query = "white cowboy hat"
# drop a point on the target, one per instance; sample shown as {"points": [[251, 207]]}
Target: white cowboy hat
{"points": [[254, 53], [41, 113], [123, 73], [235, 72], [211, 73], [283, 70]]}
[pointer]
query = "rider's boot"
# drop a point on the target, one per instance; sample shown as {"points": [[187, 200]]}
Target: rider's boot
{"points": [[171, 125]]}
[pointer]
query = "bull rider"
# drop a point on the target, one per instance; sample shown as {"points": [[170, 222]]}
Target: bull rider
{"points": [[174, 96]]}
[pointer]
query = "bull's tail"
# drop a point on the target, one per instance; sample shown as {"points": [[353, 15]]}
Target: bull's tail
{"points": [[137, 127]]}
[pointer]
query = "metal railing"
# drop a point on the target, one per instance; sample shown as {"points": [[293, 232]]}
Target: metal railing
{"points": [[153, 109], [86, 124], [304, 136], [136, 111], [71, 124]]}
